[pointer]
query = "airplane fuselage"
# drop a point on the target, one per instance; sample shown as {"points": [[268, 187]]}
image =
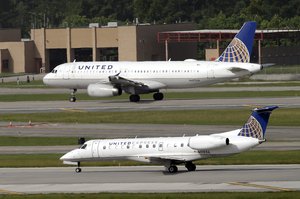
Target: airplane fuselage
{"points": [[167, 74], [160, 150]]}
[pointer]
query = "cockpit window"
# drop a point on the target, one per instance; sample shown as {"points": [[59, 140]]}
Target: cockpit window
{"points": [[54, 71], [83, 146]]}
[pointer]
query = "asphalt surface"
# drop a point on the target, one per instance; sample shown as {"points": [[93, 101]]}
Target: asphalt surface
{"points": [[124, 105], [16, 91], [150, 179]]}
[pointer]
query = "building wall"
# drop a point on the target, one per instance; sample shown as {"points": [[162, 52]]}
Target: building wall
{"points": [[55, 38], [149, 49], [281, 55], [9, 35], [127, 43], [21, 56], [29, 58], [81, 37], [4, 55], [38, 36], [107, 37], [16, 56]]}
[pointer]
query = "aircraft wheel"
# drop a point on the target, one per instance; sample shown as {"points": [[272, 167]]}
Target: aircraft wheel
{"points": [[134, 98], [78, 170], [72, 99], [172, 169], [158, 96], [190, 166]]}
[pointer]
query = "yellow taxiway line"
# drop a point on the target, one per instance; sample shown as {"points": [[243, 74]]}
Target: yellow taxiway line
{"points": [[73, 110], [246, 184], [3, 191]]}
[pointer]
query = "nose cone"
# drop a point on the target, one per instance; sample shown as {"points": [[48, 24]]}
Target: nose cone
{"points": [[70, 156], [46, 79]]}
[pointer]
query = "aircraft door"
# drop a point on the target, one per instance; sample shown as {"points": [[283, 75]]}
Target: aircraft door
{"points": [[95, 145], [210, 74], [160, 146], [72, 70], [66, 72]]}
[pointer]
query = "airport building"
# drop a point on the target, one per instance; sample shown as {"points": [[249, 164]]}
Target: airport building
{"points": [[48, 48]]}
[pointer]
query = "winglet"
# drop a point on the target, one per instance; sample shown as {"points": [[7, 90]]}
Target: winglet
{"points": [[240, 48], [257, 123]]}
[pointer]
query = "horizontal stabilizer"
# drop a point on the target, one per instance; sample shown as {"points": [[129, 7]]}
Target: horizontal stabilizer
{"points": [[237, 70]]}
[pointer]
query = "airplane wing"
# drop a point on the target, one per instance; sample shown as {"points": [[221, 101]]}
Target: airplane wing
{"points": [[140, 84], [161, 158]]}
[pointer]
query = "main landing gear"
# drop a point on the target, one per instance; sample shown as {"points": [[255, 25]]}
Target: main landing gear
{"points": [[73, 98], [189, 165], [156, 96], [78, 169], [134, 98], [172, 169]]}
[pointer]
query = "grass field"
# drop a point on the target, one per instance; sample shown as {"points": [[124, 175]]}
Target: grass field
{"points": [[280, 117], [211, 195], [37, 141], [22, 84], [250, 157]]}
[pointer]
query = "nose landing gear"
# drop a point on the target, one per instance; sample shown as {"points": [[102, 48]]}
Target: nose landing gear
{"points": [[78, 169]]}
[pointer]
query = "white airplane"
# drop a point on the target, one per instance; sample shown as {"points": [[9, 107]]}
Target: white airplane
{"points": [[106, 79], [171, 151]]}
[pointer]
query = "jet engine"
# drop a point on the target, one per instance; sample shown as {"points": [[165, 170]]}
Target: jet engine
{"points": [[207, 142], [103, 90]]}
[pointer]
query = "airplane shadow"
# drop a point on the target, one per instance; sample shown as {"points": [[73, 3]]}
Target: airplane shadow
{"points": [[145, 101]]}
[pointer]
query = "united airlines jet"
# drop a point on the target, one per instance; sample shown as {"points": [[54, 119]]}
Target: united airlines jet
{"points": [[106, 79], [171, 151]]}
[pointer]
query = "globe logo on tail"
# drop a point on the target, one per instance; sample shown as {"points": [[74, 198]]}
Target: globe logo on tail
{"points": [[252, 128], [236, 51]]}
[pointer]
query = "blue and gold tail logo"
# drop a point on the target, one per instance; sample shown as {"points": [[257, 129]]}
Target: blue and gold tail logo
{"points": [[235, 52], [256, 125], [240, 48], [252, 128]]}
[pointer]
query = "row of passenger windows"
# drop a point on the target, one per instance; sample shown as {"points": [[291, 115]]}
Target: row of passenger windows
{"points": [[148, 146], [138, 71]]}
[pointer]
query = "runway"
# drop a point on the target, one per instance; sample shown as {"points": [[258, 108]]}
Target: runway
{"points": [[144, 178], [146, 105], [150, 179]]}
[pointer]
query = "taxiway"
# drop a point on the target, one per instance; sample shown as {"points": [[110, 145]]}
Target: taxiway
{"points": [[146, 105], [150, 179]]}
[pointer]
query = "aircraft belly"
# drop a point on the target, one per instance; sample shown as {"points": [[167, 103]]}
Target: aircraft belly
{"points": [[73, 83], [179, 82]]}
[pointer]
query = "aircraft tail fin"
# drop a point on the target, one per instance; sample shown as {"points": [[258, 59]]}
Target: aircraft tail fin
{"points": [[257, 123], [240, 48]]}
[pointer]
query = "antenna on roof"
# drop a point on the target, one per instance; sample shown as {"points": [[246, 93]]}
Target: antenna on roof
{"points": [[74, 61]]}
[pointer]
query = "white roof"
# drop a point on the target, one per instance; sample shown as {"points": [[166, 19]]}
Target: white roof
{"points": [[228, 31]]}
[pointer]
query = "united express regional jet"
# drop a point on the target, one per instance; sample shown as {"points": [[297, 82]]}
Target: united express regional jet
{"points": [[106, 79], [171, 151]]}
